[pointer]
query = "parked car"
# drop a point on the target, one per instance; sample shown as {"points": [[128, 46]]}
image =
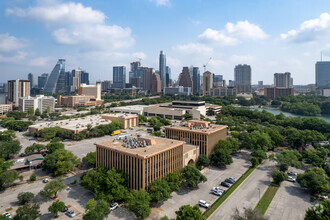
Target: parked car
{"points": [[70, 213], [291, 179], [291, 173], [113, 206], [45, 180], [230, 180], [7, 214], [225, 184], [65, 209], [203, 203], [217, 191], [22, 155]]}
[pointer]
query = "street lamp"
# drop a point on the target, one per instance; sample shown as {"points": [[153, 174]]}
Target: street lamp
{"points": [[259, 193]]}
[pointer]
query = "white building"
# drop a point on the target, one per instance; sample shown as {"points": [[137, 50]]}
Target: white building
{"points": [[131, 109], [91, 90], [177, 90], [40, 101]]}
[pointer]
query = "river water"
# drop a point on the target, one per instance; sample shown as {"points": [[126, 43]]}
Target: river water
{"points": [[277, 112]]}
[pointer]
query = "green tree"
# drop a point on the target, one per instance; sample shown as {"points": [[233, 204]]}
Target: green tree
{"points": [[142, 119], [288, 158], [8, 135], [37, 112], [258, 140], [203, 161], [53, 187], [90, 159], [109, 185], [319, 212], [28, 212], [259, 154], [56, 207], [221, 157], [327, 169], [60, 162], [193, 176], [139, 202], [313, 180], [187, 212], [35, 148], [53, 146], [174, 180], [279, 176], [25, 197], [187, 116], [316, 157], [254, 161], [33, 177], [210, 112], [30, 111], [7, 177], [9, 148], [159, 190], [97, 211]]}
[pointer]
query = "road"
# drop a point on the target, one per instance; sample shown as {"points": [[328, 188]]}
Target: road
{"points": [[247, 195], [290, 202], [214, 177]]}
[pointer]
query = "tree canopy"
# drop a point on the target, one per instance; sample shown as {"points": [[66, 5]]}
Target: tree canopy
{"points": [[139, 202], [187, 212], [193, 176], [314, 180]]}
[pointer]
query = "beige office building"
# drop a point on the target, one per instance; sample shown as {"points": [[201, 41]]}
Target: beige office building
{"points": [[207, 84], [91, 90], [126, 120], [200, 133], [40, 102], [143, 159], [4, 108], [78, 100]]}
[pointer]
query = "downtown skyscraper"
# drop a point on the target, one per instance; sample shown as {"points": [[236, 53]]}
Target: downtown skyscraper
{"points": [[162, 69], [242, 77], [196, 78], [119, 77], [56, 78]]}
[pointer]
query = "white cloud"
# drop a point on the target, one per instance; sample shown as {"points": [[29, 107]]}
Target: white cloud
{"points": [[54, 12], [241, 58], [76, 24], [10, 43], [173, 62], [41, 61], [233, 34], [310, 30], [193, 48], [16, 58], [161, 2]]}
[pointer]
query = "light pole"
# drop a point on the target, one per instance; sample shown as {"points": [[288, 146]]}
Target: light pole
{"points": [[259, 194]]}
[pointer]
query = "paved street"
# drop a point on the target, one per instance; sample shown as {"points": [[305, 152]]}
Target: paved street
{"points": [[290, 202], [247, 195], [191, 197]]}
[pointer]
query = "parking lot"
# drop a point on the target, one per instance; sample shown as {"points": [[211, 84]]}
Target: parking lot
{"points": [[203, 192], [290, 202]]}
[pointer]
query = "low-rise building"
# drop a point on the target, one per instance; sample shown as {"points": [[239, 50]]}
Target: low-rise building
{"points": [[180, 90], [33, 161], [176, 109], [144, 159], [41, 102], [200, 133], [75, 125], [78, 100], [275, 92], [5, 108], [126, 120], [91, 90], [130, 109]]}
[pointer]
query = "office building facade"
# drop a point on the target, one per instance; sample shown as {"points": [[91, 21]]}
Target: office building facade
{"points": [[168, 76], [185, 79], [40, 102], [283, 80], [180, 90], [162, 69], [119, 77], [196, 78], [156, 83], [207, 83], [147, 78], [275, 92], [242, 78], [31, 79], [18, 89], [322, 75], [91, 90], [56, 79], [42, 80]]}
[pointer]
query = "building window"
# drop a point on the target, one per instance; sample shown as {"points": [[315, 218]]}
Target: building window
{"points": [[194, 151]]}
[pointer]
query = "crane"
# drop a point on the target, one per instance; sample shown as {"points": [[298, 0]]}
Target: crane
{"points": [[138, 58], [206, 64]]}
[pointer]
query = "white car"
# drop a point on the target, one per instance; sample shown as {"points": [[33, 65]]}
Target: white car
{"points": [[217, 191], [7, 214], [291, 179], [113, 206], [45, 180], [70, 213], [204, 204]]}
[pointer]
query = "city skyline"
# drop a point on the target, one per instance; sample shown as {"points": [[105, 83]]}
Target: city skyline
{"points": [[281, 37]]}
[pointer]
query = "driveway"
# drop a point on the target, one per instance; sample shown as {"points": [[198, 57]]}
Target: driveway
{"points": [[191, 196], [247, 195]]}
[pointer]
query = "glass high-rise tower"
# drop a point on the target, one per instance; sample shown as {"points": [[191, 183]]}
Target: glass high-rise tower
{"points": [[51, 85], [162, 69], [119, 77], [30, 78], [196, 77]]}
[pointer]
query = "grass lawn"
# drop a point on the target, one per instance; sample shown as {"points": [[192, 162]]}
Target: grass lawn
{"points": [[222, 198], [267, 198]]}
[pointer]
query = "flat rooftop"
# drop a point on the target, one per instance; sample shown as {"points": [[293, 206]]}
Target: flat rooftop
{"points": [[74, 124], [204, 130], [125, 145], [129, 107], [120, 115]]}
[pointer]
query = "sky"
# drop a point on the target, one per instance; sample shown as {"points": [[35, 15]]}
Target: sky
{"points": [[270, 35]]}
